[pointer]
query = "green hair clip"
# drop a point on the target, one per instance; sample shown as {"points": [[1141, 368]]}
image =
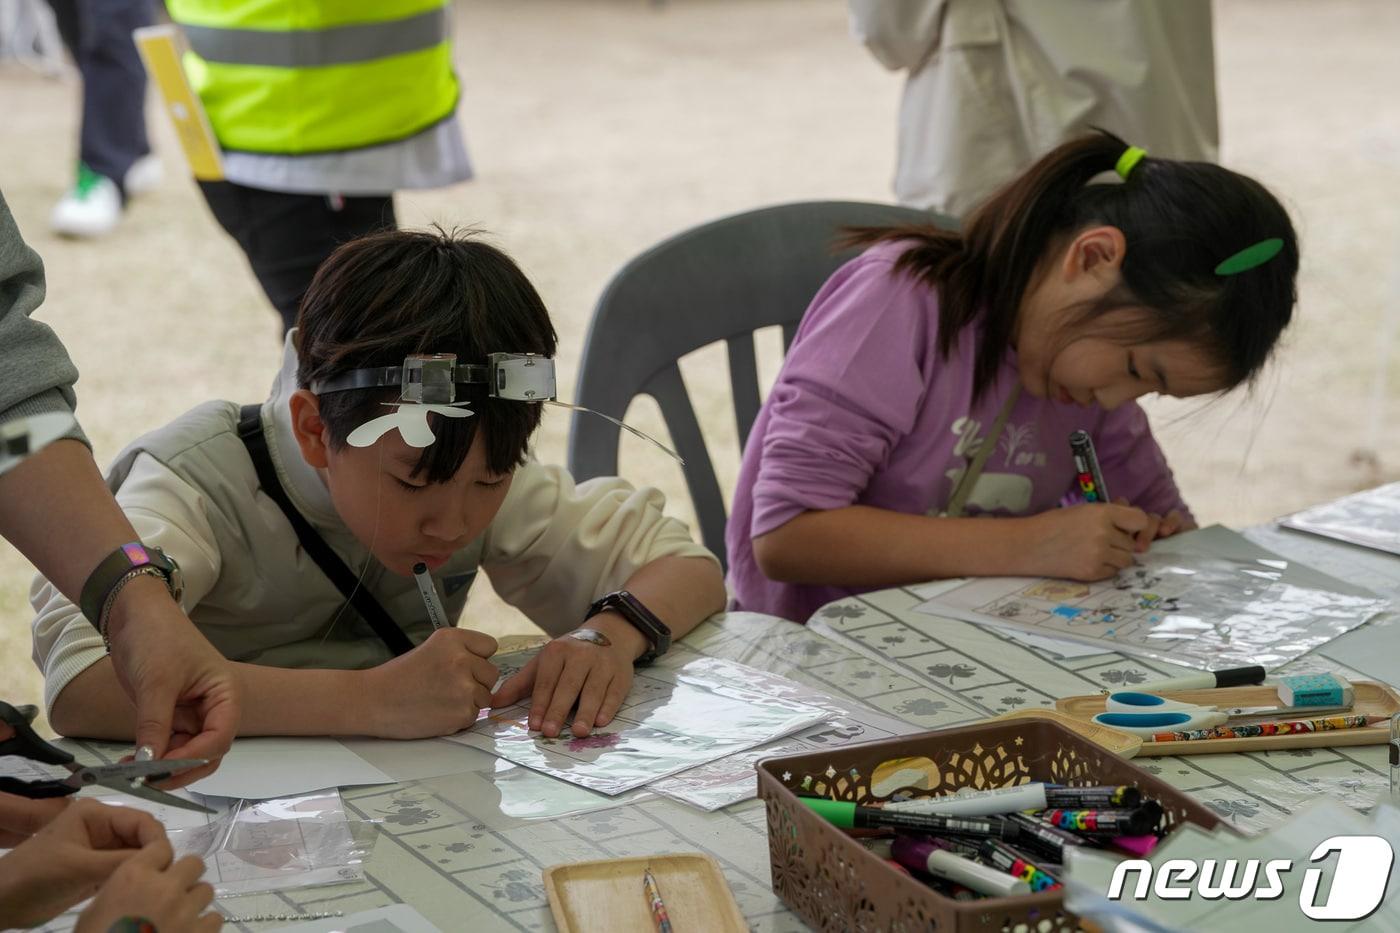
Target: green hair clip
{"points": [[1251, 256], [1130, 157]]}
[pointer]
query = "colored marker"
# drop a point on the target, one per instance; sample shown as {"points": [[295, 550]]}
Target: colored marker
{"points": [[849, 816], [1137, 822], [1044, 838], [1254, 730], [1032, 796], [1004, 858], [436, 615], [1086, 467], [1092, 798], [1209, 680], [925, 856]]}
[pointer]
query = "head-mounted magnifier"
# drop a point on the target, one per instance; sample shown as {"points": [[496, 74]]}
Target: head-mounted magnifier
{"points": [[428, 385]]}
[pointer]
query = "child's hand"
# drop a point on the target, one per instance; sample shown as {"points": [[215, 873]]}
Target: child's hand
{"points": [[1159, 526], [1087, 542], [65, 861], [21, 817], [435, 689], [169, 896], [568, 670], [1174, 522]]}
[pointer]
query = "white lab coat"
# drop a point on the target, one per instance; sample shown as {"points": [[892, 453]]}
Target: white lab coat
{"points": [[994, 84]]}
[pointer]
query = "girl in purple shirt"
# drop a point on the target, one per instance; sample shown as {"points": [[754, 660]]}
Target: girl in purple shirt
{"points": [[1063, 299]]}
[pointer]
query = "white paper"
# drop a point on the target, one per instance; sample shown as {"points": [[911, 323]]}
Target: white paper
{"points": [[1191, 600], [673, 719], [260, 768]]}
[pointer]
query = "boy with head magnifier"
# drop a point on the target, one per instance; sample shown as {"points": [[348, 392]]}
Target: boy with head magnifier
{"points": [[396, 437]]}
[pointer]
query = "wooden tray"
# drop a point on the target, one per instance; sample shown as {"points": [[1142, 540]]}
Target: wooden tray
{"points": [[1372, 699], [606, 895]]}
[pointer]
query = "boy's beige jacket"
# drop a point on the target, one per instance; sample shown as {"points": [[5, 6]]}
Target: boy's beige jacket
{"points": [[190, 488]]}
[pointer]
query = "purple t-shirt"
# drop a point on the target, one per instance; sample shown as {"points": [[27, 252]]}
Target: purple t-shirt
{"points": [[866, 412]]}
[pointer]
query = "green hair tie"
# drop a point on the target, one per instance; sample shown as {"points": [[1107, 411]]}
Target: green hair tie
{"points": [[1130, 157], [1251, 256]]}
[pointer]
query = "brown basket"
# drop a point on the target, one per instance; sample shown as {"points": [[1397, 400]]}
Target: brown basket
{"points": [[836, 884]]}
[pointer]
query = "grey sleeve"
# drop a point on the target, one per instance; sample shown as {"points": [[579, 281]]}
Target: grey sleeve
{"points": [[36, 373]]}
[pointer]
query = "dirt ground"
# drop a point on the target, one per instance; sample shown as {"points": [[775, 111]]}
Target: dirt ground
{"points": [[598, 127]]}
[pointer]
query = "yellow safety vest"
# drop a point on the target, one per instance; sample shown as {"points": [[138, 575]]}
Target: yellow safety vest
{"points": [[294, 77]]}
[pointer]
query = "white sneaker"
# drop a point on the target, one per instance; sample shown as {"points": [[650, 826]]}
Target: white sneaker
{"points": [[145, 175], [91, 209]]}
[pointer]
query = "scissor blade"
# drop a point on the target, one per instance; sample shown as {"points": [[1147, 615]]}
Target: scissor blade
{"points": [[156, 770], [155, 795]]}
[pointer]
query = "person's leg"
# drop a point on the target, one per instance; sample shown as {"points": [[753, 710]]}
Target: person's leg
{"points": [[286, 237], [114, 86]]}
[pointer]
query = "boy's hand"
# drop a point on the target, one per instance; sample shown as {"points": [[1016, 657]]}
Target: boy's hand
{"points": [[65, 861], [435, 689], [169, 896], [1087, 542], [569, 670]]}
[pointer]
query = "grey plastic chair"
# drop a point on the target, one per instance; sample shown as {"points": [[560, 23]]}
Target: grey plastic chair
{"points": [[719, 281]]}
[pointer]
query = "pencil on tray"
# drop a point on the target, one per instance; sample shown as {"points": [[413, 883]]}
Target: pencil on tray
{"points": [[1253, 730], [658, 906]]}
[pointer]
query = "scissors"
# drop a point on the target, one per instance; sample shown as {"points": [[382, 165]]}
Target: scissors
{"points": [[1146, 714], [129, 778]]}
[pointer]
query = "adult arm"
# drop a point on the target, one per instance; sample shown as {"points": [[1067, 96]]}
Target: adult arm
{"points": [[56, 509]]}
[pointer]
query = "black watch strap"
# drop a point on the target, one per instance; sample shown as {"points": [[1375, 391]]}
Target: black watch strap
{"points": [[639, 617], [117, 567]]}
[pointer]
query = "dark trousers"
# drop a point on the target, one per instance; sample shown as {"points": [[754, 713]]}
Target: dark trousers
{"points": [[286, 237], [98, 35]]}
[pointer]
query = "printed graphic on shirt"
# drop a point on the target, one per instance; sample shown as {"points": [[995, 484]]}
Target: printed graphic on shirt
{"points": [[996, 491]]}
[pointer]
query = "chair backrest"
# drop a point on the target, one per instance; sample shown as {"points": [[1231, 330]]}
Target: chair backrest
{"points": [[722, 280]]}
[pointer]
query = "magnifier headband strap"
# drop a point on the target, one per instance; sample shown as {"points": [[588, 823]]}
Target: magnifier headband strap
{"points": [[379, 377]]}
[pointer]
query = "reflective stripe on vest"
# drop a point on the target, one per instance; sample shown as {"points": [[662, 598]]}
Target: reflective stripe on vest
{"points": [[340, 87]]}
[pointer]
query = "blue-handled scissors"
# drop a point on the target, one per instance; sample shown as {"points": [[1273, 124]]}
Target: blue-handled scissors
{"points": [[1146, 713]]}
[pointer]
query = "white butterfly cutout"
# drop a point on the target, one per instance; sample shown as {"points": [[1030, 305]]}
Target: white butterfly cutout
{"points": [[411, 418]]}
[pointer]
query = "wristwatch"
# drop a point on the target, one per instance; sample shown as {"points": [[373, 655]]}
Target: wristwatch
{"points": [[639, 617], [117, 570]]}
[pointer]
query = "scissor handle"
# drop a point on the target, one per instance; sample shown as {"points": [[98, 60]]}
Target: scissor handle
{"points": [[1131, 702], [1147, 724], [25, 743], [35, 790]]}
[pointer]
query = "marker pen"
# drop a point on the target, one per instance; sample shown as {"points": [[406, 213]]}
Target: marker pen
{"points": [[924, 856], [436, 615], [1137, 822], [1033, 796], [1043, 838], [849, 816], [1086, 467], [1003, 857]]}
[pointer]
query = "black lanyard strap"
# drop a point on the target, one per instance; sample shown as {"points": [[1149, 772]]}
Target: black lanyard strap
{"points": [[250, 431]]}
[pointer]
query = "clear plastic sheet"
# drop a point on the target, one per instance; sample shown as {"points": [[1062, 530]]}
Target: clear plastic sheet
{"points": [[289, 842], [674, 718], [1179, 603], [1370, 519]]}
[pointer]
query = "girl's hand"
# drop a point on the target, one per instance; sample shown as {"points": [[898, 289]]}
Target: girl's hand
{"points": [[65, 861], [569, 670], [1174, 522], [1085, 542], [1143, 539], [148, 886], [435, 689]]}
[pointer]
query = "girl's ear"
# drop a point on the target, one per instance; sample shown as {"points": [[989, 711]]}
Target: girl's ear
{"points": [[313, 437], [1097, 252]]}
